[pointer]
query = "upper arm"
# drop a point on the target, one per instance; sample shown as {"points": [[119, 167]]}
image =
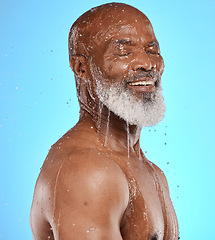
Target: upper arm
{"points": [[40, 226], [89, 201]]}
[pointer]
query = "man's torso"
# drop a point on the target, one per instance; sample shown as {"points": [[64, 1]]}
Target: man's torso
{"points": [[150, 214]]}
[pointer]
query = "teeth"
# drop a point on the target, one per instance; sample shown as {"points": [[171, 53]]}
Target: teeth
{"points": [[144, 83]]}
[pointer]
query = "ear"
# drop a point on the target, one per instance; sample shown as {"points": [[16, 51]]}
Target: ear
{"points": [[79, 65]]}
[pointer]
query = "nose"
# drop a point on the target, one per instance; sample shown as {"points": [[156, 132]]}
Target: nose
{"points": [[143, 62]]}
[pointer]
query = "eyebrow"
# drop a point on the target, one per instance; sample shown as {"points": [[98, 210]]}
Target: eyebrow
{"points": [[123, 41], [127, 41], [153, 43]]}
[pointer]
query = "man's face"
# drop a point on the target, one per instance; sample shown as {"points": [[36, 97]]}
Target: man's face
{"points": [[126, 64], [127, 47]]}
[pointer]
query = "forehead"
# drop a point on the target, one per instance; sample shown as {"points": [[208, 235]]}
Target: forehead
{"points": [[123, 24]]}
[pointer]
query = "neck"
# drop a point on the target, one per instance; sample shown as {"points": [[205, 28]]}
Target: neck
{"points": [[115, 133]]}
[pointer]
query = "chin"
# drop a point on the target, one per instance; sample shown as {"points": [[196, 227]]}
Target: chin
{"points": [[142, 109], [136, 108]]}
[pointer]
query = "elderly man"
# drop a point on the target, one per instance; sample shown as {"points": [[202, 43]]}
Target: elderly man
{"points": [[96, 183]]}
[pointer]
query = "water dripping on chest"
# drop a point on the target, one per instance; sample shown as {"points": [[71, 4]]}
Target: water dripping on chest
{"points": [[99, 116], [107, 128], [128, 139]]}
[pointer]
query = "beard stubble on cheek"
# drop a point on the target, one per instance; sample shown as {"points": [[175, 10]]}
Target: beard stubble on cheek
{"points": [[136, 108]]}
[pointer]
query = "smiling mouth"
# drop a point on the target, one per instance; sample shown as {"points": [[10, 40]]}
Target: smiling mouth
{"points": [[142, 85]]}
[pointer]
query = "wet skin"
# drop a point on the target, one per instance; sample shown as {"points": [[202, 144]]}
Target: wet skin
{"points": [[88, 187]]}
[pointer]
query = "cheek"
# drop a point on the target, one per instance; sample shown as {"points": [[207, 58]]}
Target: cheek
{"points": [[161, 65], [158, 64], [116, 67]]}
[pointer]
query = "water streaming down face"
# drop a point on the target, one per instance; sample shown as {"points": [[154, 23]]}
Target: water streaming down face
{"points": [[142, 109], [90, 90]]}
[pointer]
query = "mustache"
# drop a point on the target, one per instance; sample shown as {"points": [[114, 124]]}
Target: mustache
{"points": [[149, 74]]}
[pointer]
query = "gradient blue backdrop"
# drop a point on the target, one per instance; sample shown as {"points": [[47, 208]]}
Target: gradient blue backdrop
{"points": [[38, 104]]}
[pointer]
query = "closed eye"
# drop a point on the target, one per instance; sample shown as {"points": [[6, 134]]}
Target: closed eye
{"points": [[126, 54], [153, 48], [123, 47], [152, 52]]}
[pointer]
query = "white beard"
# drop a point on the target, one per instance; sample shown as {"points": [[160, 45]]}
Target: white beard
{"points": [[141, 109]]}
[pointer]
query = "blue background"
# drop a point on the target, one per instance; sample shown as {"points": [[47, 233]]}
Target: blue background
{"points": [[38, 104]]}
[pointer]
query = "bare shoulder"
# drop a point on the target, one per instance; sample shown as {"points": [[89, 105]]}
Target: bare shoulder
{"points": [[90, 172], [161, 175], [80, 186]]}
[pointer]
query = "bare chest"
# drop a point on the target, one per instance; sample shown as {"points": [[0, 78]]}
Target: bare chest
{"points": [[150, 214]]}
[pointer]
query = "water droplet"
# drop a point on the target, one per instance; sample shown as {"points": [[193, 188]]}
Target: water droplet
{"points": [[92, 229]]}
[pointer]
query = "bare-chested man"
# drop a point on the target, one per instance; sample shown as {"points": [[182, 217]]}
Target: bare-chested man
{"points": [[96, 183]]}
